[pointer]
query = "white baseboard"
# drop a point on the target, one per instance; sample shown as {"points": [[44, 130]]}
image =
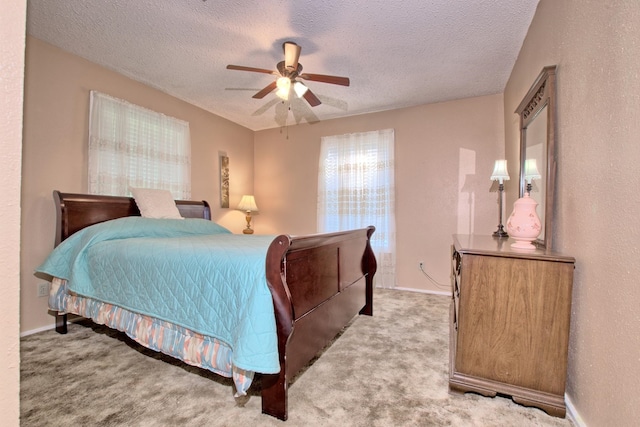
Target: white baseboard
{"points": [[35, 331], [70, 319], [424, 291], [572, 413]]}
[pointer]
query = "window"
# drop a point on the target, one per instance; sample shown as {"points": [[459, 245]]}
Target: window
{"points": [[131, 146], [356, 189]]}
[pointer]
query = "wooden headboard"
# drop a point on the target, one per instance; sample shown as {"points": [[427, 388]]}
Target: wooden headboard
{"points": [[77, 211]]}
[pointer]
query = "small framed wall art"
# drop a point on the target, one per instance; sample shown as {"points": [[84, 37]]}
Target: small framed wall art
{"points": [[224, 181]]}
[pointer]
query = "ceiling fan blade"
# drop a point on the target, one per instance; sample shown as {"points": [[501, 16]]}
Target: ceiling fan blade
{"points": [[336, 80], [291, 55], [268, 89], [311, 98], [255, 70]]}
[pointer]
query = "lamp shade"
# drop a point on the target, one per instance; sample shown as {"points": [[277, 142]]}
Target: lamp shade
{"points": [[247, 204], [500, 171], [531, 170]]}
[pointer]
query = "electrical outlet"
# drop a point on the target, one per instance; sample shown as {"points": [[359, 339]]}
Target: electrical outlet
{"points": [[43, 289]]}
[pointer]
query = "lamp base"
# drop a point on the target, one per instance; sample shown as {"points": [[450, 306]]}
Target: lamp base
{"points": [[500, 232], [523, 224], [523, 244], [248, 230]]}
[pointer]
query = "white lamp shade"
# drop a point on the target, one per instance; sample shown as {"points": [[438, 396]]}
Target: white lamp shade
{"points": [[531, 170], [500, 171], [248, 204]]}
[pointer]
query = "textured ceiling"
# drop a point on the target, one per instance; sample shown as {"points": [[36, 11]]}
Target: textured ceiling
{"points": [[396, 53]]}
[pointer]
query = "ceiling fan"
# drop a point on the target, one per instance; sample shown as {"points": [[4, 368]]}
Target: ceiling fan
{"points": [[288, 72]]}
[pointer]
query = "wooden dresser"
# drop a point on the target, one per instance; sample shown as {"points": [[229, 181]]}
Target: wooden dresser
{"points": [[510, 317]]}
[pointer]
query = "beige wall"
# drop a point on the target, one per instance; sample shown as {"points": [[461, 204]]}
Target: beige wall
{"points": [[596, 45], [444, 156], [57, 86], [12, 30]]}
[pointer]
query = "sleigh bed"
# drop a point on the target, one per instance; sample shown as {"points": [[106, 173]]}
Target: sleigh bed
{"points": [[317, 284]]}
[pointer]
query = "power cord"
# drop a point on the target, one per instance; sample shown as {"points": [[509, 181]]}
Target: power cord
{"points": [[434, 281]]}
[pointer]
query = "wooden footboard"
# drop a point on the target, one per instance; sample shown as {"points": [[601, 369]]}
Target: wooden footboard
{"points": [[318, 283]]}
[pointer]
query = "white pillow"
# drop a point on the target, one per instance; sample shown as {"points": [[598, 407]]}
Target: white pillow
{"points": [[155, 203]]}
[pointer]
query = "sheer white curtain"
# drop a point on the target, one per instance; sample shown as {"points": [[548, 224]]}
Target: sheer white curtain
{"points": [[131, 146], [356, 189]]}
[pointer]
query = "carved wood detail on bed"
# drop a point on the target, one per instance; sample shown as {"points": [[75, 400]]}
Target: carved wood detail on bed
{"points": [[318, 282]]}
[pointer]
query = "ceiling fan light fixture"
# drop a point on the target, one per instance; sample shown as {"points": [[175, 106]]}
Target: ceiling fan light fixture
{"points": [[284, 85], [300, 89], [282, 94]]}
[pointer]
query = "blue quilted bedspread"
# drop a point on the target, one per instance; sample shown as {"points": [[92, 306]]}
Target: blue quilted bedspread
{"points": [[191, 272]]}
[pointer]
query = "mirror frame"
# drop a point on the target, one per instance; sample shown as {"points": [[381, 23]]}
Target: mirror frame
{"points": [[541, 94]]}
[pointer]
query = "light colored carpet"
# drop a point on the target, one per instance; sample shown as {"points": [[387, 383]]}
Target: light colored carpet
{"points": [[387, 370]]}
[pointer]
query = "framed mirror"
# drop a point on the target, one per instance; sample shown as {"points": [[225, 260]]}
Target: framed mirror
{"points": [[537, 148]]}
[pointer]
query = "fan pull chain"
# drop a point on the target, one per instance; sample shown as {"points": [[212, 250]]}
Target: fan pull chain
{"points": [[286, 120]]}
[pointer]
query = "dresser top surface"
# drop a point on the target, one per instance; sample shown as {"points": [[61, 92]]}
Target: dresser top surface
{"points": [[489, 245]]}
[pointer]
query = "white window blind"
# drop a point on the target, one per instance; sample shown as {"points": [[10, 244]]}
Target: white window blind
{"points": [[131, 146], [356, 189]]}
